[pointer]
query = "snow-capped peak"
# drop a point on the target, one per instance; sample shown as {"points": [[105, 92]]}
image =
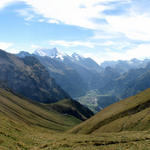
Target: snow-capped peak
{"points": [[77, 57], [52, 53]]}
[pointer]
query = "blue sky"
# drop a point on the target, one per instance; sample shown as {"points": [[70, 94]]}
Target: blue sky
{"points": [[101, 29]]}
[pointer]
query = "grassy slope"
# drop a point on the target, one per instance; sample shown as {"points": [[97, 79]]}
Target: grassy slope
{"points": [[33, 114], [14, 136], [71, 107], [129, 114], [20, 129]]}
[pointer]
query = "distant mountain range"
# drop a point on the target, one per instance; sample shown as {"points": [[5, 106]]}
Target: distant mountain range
{"points": [[125, 65], [129, 83], [75, 74], [78, 75]]}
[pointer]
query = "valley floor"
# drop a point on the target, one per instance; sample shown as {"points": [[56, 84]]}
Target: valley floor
{"points": [[121, 141], [14, 136]]}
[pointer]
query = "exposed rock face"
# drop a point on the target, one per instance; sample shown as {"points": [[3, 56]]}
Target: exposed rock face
{"points": [[27, 77]]}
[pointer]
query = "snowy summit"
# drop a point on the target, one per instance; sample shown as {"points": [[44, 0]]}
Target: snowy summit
{"points": [[52, 53]]}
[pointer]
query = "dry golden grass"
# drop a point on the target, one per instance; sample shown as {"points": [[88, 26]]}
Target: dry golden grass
{"points": [[25, 126], [34, 114], [129, 114], [14, 136]]}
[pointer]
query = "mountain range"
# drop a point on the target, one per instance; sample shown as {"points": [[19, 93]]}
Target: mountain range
{"points": [[79, 76], [73, 73], [125, 65]]}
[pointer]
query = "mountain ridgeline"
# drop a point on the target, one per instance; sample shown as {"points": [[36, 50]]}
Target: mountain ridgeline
{"points": [[74, 73], [27, 77], [80, 76]]}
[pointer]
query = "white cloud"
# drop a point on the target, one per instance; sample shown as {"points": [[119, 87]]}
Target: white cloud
{"points": [[41, 20], [8, 47], [70, 11], [81, 43], [53, 21], [131, 25], [103, 36], [71, 43], [4, 3], [97, 57], [134, 27], [66, 11], [107, 43], [33, 46], [13, 50], [5, 45], [27, 13], [141, 51]]}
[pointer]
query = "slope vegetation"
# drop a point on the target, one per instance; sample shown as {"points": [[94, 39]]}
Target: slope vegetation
{"points": [[33, 114], [26, 125], [71, 107], [19, 136], [126, 115]]}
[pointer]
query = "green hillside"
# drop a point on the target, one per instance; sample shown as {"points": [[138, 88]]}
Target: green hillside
{"points": [[16, 135], [131, 114], [33, 114], [26, 125], [72, 108]]}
